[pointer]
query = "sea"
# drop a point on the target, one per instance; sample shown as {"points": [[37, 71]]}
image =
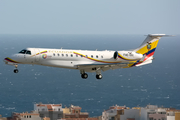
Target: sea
{"points": [[155, 84]]}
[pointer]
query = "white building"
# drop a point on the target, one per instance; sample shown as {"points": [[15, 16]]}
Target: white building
{"points": [[173, 114], [48, 107], [109, 114], [152, 112], [26, 116], [53, 111], [121, 113]]}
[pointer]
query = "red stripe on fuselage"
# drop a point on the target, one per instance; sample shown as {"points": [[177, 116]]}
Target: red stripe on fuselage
{"points": [[149, 55]]}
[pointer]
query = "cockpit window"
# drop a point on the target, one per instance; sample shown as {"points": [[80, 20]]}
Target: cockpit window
{"points": [[28, 52], [23, 51]]}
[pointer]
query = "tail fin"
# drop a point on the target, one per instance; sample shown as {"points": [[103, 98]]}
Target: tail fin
{"points": [[147, 49], [148, 46]]}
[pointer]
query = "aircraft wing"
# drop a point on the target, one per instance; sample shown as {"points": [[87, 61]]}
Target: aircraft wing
{"points": [[103, 67]]}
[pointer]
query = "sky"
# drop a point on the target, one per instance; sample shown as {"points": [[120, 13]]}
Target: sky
{"points": [[89, 16]]}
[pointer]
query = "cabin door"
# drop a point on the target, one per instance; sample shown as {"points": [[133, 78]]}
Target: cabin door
{"points": [[37, 55]]}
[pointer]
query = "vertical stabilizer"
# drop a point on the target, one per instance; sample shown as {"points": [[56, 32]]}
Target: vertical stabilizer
{"points": [[149, 44], [147, 49]]}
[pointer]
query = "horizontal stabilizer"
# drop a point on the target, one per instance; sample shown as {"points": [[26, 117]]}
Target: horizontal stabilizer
{"points": [[159, 35], [144, 63]]}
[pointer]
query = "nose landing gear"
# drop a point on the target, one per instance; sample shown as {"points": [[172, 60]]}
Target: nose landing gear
{"points": [[16, 70]]}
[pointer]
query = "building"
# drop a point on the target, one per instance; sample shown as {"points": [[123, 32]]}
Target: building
{"points": [[177, 115], [149, 109], [46, 118], [173, 114], [2, 118], [25, 116], [111, 113], [160, 114], [121, 113], [79, 119], [74, 112], [152, 112], [52, 111]]}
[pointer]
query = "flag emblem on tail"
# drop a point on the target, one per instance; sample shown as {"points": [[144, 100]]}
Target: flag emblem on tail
{"points": [[149, 46]]}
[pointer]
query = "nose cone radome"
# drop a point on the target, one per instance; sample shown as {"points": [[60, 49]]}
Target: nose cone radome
{"points": [[5, 59], [11, 59]]}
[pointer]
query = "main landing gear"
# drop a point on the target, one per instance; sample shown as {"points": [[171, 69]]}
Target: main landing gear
{"points": [[99, 76], [16, 70], [85, 75]]}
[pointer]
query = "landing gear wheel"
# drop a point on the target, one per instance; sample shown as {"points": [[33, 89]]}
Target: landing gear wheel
{"points": [[84, 76], [99, 76], [15, 70]]}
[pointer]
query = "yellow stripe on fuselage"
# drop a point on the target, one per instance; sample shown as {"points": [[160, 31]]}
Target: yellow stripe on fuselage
{"points": [[144, 49], [132, 60], [96, 59]]}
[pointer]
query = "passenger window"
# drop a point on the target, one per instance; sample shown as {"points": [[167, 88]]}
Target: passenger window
{"points": [[92, 56], [28, 52], [66, 55], [86, 56], [63, 55], [76, 55], [71, 55], [23, 51], [58, 54], [101, 56], [54, 54], [96, 56]]}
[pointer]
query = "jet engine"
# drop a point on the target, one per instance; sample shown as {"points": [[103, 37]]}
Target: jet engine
{"points": [[115, 55]]}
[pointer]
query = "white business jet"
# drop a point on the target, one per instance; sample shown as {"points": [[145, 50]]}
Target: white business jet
{"points": [[87, 61]]}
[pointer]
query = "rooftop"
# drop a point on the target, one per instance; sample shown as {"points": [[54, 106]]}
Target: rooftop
{"points": [[25, 113], [79, 118], [75, 107], [49, 107], [40, 104], [116, 107]]}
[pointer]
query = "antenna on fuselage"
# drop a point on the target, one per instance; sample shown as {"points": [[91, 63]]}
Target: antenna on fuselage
{"points": [[61, 47]]}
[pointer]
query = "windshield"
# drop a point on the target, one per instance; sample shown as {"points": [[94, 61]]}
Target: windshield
{"points": [[28, 52], [25, 52]]}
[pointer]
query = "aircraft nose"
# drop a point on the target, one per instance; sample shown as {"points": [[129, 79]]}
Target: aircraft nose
{"points": [[5, 59], [11, 59]]}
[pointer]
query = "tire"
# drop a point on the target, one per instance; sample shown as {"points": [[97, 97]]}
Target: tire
{"points": [[99, 76], [84, 76], [16, 71]]}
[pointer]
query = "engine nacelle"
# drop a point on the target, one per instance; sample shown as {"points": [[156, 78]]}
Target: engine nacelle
{"points": [[115, 55], [129, 55]]}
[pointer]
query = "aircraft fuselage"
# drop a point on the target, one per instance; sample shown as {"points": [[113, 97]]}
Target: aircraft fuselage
{"points": [[85, 60]]}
